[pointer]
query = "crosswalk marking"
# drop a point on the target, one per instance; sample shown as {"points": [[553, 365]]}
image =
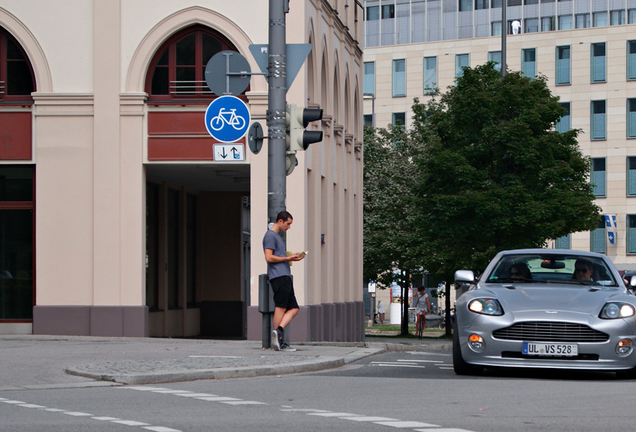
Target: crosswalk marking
{"points": [[333, 414], [406, 424], [369, 419]]}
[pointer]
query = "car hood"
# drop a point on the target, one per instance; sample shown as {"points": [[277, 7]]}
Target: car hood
{"points": [[539, 297]]}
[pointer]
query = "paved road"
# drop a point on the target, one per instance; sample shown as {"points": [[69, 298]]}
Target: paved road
{"points": [[410, 391]]}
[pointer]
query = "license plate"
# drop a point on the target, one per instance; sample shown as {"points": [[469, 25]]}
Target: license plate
{"points": [[550, 349]]}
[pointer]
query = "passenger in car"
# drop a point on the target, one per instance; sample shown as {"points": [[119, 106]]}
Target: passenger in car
{"points": [[583, 270], [520, 271]]}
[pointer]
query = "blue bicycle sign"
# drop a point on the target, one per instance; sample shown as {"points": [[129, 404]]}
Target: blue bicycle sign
{"points": [[227, 119]]}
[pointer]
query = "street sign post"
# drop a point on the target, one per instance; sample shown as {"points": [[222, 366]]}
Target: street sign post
{"points": [[227, 119]]}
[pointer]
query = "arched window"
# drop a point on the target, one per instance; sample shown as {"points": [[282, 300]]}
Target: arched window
{"points": [[177, 71], [16, 74]]}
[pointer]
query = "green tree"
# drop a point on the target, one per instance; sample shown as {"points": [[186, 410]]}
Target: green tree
{"points": [[390, 248], [493, 173]]}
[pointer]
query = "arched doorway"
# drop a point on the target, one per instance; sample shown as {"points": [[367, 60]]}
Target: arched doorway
{"points": [[195, 271], [17, 176]]}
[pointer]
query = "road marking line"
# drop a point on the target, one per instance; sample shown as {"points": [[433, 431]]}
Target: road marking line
{"points": [[143, 388], [168, 391], [54, 410], [31, 406], [211, 356], [422, 361], [442, 430], [13, 402], [370, 419], [194, 395], [105, 418], [76, 414], [160, 429], [304, 410], [406, 424], [217, 398], [131, 423], [241, 402], [446, 368], [333, 414], [399, 365]]}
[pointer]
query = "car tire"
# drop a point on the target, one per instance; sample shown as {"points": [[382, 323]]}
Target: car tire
{"points": [[626, 374], [459, 364]]}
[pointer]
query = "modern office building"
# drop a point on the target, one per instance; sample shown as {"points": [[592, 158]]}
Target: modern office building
{"points": [[119, 218], [585, 48]]}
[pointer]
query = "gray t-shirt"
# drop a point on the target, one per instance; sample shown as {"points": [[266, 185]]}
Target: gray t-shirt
{"points": [[272, 241]]}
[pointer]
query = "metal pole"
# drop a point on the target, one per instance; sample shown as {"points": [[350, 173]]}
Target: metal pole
{"points": [[276, 109], [504, 32]]}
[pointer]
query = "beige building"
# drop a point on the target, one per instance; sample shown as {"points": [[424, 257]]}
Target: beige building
{"points": [[119, 217], [586, 49]]}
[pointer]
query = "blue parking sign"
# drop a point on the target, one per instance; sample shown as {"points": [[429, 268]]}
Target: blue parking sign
{"points": [[227, 119]]}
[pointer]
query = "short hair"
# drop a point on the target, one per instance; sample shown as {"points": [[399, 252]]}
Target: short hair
{"points": [[584, 262], [419, 287], [284, 215]]}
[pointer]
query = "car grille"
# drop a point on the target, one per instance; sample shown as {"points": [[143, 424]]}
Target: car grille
{"points": [[542, 331]]}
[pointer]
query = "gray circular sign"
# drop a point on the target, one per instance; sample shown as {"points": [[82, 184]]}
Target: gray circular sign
{"points": [[220, 73]]}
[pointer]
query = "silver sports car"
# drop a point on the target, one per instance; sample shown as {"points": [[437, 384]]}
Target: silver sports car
{"points": [[545, 308]]}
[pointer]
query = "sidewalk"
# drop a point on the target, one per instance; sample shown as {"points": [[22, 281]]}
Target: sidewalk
{"points": [[38, 361]]}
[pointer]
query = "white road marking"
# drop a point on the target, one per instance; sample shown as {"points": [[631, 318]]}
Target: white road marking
{"points": [[168, 391], [303, 410], [130, 423], [31, 406], [76, 414], [105, 418], [442, 430], [422, 361], [242, 402], [217, 398], [54, 410], [399, 365], [143, 388], [160, 429], [406, 424], [194, 395], [333, 414], [13, 402], [211, 356], [369, 419]]}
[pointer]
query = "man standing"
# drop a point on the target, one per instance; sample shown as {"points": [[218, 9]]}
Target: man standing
{"points": [[279, 274]]}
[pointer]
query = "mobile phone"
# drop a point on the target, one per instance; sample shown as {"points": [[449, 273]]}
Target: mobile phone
{"points": [[302, 254]]}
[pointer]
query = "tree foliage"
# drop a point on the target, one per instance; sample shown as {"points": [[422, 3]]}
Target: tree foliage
{"points": [[493, 174]]}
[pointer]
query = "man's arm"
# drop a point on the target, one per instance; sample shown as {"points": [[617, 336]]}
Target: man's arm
{"points": [[271, 258]]}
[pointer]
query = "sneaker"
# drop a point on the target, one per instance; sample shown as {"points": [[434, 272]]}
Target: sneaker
{"points": [[276, 340], [287, 348]]}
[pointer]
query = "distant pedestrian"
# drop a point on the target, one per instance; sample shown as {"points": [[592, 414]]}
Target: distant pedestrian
{"points": [[381, 311], [422, 304], [279, 274]]}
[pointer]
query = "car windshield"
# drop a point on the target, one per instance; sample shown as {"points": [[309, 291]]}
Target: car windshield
{"points": [[574, 269]]}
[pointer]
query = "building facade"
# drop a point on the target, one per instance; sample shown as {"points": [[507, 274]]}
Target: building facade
{"points": [[585, 48], [118, 217]]}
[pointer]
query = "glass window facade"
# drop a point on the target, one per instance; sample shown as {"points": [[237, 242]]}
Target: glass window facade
{"points": [[399, 78], [430, 74], [631, 59], [598, 176], [598, 243], [564, 124], [597, 56], [368, 86], [495, 57], [563, 242], [631, 118], [631, 234], [598, 121], [562, 65], [528, 62], [631, 175], [461, 61]]}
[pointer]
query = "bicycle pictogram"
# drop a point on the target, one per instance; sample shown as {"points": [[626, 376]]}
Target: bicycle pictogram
{"points": [[228, 117]]}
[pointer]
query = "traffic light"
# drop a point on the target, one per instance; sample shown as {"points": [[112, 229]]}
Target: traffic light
{"points": [[296, 120]]}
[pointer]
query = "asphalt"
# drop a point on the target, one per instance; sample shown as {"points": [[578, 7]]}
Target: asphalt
{"points": [[40, 362]]}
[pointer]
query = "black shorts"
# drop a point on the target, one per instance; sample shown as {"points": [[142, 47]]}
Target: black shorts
{"points": [[284, 296]]}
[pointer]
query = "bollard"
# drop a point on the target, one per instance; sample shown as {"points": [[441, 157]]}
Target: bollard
{"points": [[266, 308]]}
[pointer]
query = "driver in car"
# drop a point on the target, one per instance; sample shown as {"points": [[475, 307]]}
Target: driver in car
{"points": [[583, 270], [520, 271]]}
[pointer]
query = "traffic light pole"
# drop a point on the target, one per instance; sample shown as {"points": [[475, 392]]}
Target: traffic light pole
{"points": [[276, 109]]}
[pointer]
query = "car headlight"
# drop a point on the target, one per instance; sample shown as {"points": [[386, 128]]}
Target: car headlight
{"points": [[617, 310], [486, 306]]}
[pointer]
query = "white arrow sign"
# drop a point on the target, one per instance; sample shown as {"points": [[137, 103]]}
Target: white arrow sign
{"points": [[229, 152]]}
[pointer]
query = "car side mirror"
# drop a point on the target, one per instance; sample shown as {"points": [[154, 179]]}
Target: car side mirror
{"points": [[632, 282], [464, 276]]}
